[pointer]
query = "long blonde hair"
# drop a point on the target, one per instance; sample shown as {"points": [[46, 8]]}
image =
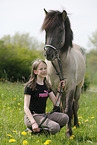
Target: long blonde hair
{"points": [[33, 77]]}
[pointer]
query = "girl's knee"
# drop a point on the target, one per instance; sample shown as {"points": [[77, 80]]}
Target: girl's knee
{"points": [[55, 128], [64, 120]]}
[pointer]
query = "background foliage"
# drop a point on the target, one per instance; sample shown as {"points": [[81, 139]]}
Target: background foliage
{"points": [[16, 56], [19, 51]]}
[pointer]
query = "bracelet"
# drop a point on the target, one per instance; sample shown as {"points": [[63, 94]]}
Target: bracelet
{"points": [[59, 91], [33, 122]]}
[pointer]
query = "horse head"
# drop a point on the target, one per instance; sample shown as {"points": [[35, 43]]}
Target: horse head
{"points": [[58, 33]]}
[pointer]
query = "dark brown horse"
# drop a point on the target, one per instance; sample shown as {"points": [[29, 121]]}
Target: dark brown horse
{"points": [[58, 41]]}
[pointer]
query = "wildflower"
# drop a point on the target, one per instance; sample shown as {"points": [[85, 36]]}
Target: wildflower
{"points": [[13, 101], [79, 123], [4, 106], [8, 107], [14, 131], [14, 98], [71, 137], [86, 120], [74, 127], [19, 109], [37, 141], [92, 117], [25, 142], [47, 141], [24, 133], [9, 135], [80, 117], [18, 103], [12, 140], [91, 125]]}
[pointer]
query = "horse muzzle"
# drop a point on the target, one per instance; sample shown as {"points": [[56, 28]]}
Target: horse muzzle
{"points": [[50, 52]]}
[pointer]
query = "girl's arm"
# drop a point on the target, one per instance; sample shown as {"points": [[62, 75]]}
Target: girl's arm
{"points": [[28, 113], [52, 96]]}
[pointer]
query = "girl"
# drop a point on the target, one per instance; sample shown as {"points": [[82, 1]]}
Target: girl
{"points": [[36, 92]]}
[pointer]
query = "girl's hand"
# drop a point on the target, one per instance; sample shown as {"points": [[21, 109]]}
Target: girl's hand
{"points": [[35, 127], [61, 83]]}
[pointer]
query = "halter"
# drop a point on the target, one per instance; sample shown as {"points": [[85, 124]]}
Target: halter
{"points": [[58, 61], [58, 73]]}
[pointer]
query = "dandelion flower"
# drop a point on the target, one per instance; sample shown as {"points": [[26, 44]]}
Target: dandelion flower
{"points": [[14, 98], [37, 141], [4, 106], [24, 133], [80, 117], [9, 135], [25, 142], [86, 120], [92, 117], [14, 131], [71, 137], [12, 140], [18, 103], [47, 141], [91, 125], [74, 127]]}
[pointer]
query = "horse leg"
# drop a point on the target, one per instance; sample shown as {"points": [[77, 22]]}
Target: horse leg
{"points": [[76, 105], [69, 111]]}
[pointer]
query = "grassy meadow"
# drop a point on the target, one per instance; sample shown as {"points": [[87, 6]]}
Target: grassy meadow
{"points": [[12, 120]]}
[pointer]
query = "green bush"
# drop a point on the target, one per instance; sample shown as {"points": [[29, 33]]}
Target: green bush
{"points": [[15, 62]]}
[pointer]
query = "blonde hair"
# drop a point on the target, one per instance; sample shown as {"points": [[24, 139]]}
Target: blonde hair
{"points": [[33, 77]]}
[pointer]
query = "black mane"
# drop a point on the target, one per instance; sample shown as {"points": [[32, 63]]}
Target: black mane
{"points": [[54, 19]]}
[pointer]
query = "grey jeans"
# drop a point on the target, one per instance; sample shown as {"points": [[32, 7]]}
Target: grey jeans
{"points": [[54, 122]]}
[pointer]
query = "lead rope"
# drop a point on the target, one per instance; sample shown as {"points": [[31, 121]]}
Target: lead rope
{"points": [[61, 78]]}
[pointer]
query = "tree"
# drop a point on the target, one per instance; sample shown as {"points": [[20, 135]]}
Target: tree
{"points": [[16, 56]]}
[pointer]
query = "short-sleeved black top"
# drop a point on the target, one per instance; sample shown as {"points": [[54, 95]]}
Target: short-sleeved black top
{"points": [[38, 98]]}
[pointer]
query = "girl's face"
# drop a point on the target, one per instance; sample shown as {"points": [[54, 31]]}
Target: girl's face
{"points": [[41, 70]]}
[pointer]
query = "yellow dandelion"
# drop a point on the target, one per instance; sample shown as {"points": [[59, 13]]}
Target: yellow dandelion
{"points": [[91, 125], [14, 131], [12, 140], [37, 141], [18, 103], [14, 98], [13, 101], [25, 142], [71, 137], [47, 141], [4, 106], [9, 135], [86, 120], [24, 133], [74, 127], [92, 117], [80, 117], [79, 123], [8, 107], [19, 108]]}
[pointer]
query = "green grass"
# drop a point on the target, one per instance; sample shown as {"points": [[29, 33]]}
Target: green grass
{"points": [[12, 119]]}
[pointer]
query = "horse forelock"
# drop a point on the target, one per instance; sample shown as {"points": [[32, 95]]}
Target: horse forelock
{"points": [[51, 20], [54, 19]]}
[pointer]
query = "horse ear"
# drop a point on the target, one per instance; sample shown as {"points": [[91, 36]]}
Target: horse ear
{"points": [[64, 14], [45, 11]]}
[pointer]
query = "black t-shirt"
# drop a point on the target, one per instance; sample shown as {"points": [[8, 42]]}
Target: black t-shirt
{"points": [[38, 98]]}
